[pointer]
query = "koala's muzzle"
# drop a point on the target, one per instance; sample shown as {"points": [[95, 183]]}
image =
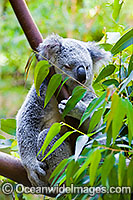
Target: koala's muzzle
{"points": [[81, 74]]}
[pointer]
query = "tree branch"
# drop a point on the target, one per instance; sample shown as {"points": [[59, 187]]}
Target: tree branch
{"points": [[13, 169]]}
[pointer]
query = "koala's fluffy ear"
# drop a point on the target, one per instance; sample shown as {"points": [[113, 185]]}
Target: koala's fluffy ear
{"points": [[49, 47], [99, 56]]}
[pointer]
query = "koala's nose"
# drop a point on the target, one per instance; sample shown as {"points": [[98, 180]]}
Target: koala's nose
{"points": [[81, 74]]}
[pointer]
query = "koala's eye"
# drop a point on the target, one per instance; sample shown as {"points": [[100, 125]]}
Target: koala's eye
{"points": [[87, 67], [67, 66]]}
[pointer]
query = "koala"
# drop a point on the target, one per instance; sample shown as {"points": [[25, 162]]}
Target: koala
{"points": [[79, 60]]}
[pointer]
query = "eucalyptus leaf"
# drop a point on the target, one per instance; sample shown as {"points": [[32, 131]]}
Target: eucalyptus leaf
{"points": [[77, 94], [52, 86], [95, 104], [94, 165], [130, 66], [106, 168], [40, 73], [80, 143], [126, 81], [119, 114], [85, 165], [111, 82], [117, 8], [95, 119], [53, 131], [121, 169], [58, 143], [106, 71], [123, 42]]}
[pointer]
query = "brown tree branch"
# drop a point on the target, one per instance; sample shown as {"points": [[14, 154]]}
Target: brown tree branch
{"points": [[13, 169]]}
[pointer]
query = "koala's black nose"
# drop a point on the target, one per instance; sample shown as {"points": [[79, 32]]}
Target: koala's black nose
{"points": [[81, 74]]}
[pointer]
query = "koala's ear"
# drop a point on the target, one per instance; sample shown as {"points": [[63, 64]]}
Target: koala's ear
{"points": [[50, 47], [99, 56]]}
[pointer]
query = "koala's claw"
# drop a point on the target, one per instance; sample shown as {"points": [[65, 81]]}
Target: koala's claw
{"points": [[62, 105], [36, 173]]}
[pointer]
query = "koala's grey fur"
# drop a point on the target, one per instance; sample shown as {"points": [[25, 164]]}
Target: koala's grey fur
{"points": [[79, 60]]}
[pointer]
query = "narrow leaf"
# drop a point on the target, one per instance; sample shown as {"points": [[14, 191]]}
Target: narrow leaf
{"points": [[65, 80], [58, 143], [106, 71], [111, 82], [130, 120], [85, 165], [40, 73], [119, 114], [117, 8], [95, 119], [123, 42], [121, 169], [52, 86], [80, 143], [77, 95], [130, 174], [94, 165], [53, 131], [106, 168], [96, 103], [114, 104], [130, 66], [126, 81], [8, 126]]}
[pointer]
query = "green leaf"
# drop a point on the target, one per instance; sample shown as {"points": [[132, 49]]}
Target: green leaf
{"points": [[130, 66], [60, 167], [130, 174], [111, 82], [119, 114], [117, 8], [58, 143], [80, 143], [53, 131], [106, 71], [71, 170], [121, 169], [65, 80], [94, 165], [8, 126], [96, 103], [123, 42], [106, 168], [126, 81], [95, 119], [52, 86], [130, 120], [40, 73], [114, 104], [85, 165], [77, 94]]}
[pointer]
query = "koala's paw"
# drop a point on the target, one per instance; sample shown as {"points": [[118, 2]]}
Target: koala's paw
{"points": [[62, 105], [36, 173], [76, 112]]}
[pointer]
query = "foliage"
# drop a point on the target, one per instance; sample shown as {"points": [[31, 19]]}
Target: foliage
{"points": [[94, 164], [106, 155]]}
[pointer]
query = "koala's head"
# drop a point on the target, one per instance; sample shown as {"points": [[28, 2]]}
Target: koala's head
{"points": [[76, 58]]}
